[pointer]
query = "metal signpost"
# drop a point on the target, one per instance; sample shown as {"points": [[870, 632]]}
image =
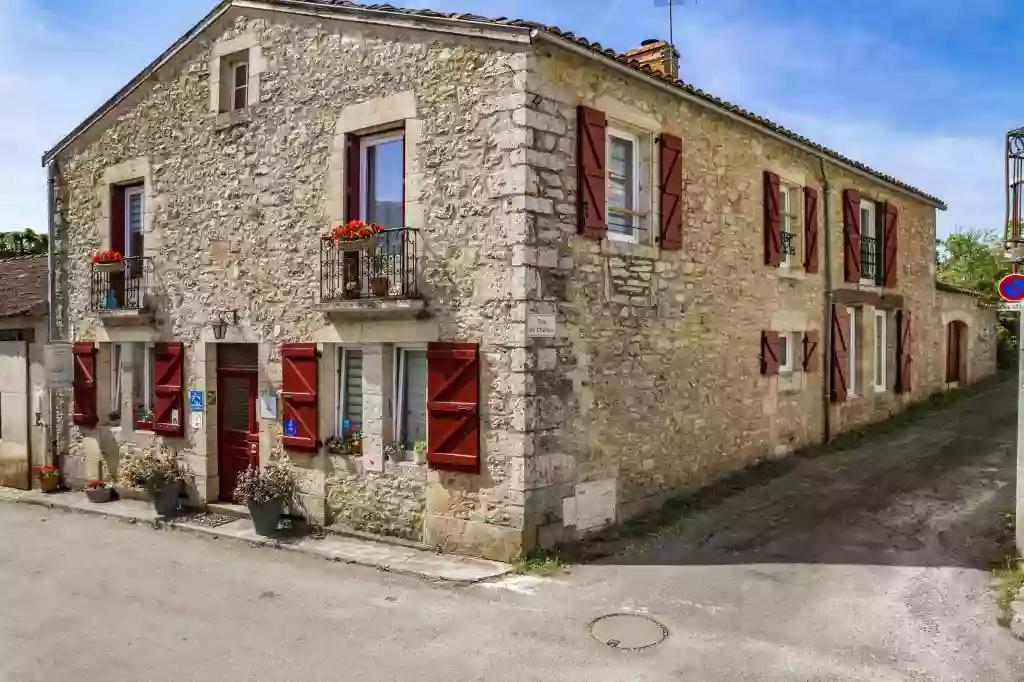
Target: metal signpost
{"points": [[1011, 289]]}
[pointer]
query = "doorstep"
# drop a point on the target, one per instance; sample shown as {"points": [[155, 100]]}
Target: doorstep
{"points": [[347, 549]]}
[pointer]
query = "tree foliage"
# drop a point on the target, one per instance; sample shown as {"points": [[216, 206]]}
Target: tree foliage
{"points": [[26, 243], [972, 259]]}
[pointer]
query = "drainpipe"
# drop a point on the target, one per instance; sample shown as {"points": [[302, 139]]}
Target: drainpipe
{"points": [[826, 329], [52, 332]]}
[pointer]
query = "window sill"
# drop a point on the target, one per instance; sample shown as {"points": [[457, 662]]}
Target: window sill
{"points": [[792, 272], [615, 247], [230, 119]]}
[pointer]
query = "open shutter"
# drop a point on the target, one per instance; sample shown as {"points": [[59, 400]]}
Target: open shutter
{"points": [[453, 406], [810, 360], [890, 234], [117, 219], [810, 229], [83, 409], [772, 220], [168, 373], [591, 162], [840, 353], [851, 235], [300, 367], [903, 357], [769, 353], [671, 201]]}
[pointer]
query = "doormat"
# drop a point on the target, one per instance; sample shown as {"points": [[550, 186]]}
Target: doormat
{"points": [[209, 519]]}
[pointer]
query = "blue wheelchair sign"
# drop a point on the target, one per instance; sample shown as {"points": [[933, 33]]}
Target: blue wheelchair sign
{"points": [[195, 400], [291, 427]]}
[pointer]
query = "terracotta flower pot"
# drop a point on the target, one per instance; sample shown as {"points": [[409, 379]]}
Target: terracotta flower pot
{"points": [[49, 484]]}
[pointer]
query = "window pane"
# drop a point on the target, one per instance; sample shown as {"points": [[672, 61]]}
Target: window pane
{"points": [[879, 351], [783, 350], [352, 376], [621, 174], [115, 377], [385, 171], [414, 411], [851, 367], [241, 75], [142, 377]]}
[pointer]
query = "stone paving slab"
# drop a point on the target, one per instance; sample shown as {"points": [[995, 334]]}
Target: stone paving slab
{"points": [[396, 558]]}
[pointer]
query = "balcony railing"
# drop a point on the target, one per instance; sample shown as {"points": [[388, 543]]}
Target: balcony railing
{"points": [[384, 267], [120, 288], [788, 243], [870, 259]]}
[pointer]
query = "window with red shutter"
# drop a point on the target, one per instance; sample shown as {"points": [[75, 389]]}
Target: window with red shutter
{"points": [[890, 252], [671, 195], [838, 363], [168, 380], [299, 378], [83, 409], [810, 361], [769, 353], [592, 192], [851, 236], [903, 348], [810, 229], [772, 220], [453, 406]]}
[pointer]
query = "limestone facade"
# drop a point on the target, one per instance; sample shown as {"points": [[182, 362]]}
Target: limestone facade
{"points": [[647, 383]]}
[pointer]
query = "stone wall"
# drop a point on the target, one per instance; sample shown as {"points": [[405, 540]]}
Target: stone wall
{"points": [[980, 318], [236, 207]]}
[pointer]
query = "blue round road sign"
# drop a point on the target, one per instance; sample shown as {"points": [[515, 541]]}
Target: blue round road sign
{"points": [[291, 427], [1011, 287]]}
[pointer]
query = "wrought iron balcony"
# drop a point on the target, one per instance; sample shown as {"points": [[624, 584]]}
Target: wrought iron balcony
{"points": [[870, 260], [376, 275], [120, 288]]}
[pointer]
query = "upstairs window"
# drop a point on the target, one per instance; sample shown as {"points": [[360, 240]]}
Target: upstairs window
{"points": [[134, 211], [623, 186], [870, 243], [234, 81], [789, 221], [382, 179]]}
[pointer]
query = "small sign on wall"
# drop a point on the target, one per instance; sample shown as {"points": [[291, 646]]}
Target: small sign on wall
{"points": [[195, 401], [268, 406], [196, 420], [540, 326]]}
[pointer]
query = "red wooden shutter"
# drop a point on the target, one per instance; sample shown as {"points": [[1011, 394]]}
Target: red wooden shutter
{"points": [[169, 380], [352, 158], [772, 220], [299, 374], [770, 353], [117, 219], [671, 202], [453, 406], [591, 160], [810, 361], [851, 235], [83, 409], [840, 353], [810, 229], [903, 357], [890, 233]]}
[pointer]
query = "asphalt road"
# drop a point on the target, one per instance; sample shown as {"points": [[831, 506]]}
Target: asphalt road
{"points": [[862, 565]]}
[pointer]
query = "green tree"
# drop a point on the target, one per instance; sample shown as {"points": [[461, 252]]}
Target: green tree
{"points": [[972, 259], [26, 243]]}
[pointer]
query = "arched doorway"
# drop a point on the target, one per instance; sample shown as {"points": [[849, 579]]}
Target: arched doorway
{"points": [[956, 352]]}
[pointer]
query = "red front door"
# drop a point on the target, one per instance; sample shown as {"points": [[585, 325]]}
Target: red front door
{"points": [[238, 438]]}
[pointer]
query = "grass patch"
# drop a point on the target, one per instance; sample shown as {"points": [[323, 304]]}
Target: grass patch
{"points": [[1007, 570], [539, 563]]}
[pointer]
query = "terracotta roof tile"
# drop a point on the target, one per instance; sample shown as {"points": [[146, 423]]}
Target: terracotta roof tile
{"points": [[22, 285]]}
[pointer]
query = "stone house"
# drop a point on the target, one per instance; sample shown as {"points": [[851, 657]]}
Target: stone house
{"points": [[596, 284]]}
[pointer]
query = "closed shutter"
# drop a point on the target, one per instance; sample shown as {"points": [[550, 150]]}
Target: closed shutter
{"points": [[168, 373], [352, 198], [810, 355], [810, 229], [453, 406], [840, 354], [300, 365], [671, 201], [890, 235], [851, 235], [770, 353], [772, 220], [903, 355], [591, 160], [83, 409]]}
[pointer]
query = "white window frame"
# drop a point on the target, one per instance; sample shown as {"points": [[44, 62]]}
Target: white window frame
{"points": [[398, 391], [148, 369], [129, 193], [364, 186], [787, 367], [636, 214], [868, 230], [851, 356], [789, 222], [879, 367], [341, 383], [239, 88]]}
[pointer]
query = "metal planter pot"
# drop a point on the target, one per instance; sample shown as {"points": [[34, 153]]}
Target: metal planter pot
{"points": [[266, 515], [165, 499], [99, 494]]}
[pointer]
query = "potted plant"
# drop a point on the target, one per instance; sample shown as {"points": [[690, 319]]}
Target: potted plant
{"points": [[354, 235], [108, 261], [161, 476], [144, 422], [394, 451], [379, 261], [264, 491], [98, 491], [349, 445], [114, 418], [49, 479], [420, 448]]}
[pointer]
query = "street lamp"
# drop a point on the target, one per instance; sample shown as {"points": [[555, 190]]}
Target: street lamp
{"points": [[220, 328]]}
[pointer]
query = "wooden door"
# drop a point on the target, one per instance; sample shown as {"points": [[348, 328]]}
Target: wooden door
{"points": [[238, 438]]}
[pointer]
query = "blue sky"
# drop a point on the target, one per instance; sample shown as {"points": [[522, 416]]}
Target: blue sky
{"points": [[920, 89]]}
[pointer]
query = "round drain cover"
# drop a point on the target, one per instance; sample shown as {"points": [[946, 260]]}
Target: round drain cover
{"points": [[628, 631]]}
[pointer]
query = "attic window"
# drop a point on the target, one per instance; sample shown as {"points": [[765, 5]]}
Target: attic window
{"points": [[234, 81]]}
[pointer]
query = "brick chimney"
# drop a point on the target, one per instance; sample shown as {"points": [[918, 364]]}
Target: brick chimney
{"points": [[657, 54]]}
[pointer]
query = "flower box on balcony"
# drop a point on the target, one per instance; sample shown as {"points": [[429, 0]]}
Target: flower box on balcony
{"points": [[355, 235], [354, 245], [108, 261]]}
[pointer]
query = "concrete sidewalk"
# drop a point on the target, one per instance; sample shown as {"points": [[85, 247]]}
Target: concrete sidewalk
{"points": [[395, 558]]}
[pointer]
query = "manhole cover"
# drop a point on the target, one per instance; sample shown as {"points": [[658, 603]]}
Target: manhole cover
{"points": [[628, 631]]}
